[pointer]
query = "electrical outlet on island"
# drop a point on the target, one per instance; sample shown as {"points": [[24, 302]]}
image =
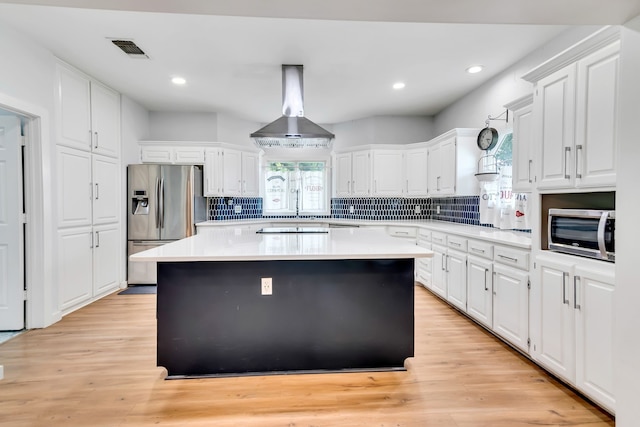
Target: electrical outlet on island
{"points": [[267, 286]]}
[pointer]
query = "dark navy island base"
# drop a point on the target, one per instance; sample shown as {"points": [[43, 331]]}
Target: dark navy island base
{"points": [[323, 316]]}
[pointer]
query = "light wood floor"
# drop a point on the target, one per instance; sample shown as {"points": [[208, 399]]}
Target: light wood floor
{"points": [[96, 367]]}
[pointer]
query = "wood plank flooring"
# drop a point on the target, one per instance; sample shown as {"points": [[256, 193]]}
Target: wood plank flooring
{"points": [[96, 367]]}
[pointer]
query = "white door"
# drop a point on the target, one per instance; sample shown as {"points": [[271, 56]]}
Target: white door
{"points": [[522, 149], [250, 169], [596, 118], [593, 290], [553, 310], [232, 172], [361, 178], [555, 103], [106, 258], [106, 185], [416, 172], [212, 168], [75, 189], [456, 266], [511, 305], [74, 109], [433, 170], [343, 175], [75, 266], [105, 120], [438, 273], [388, 174], [479, 290], [11, 228], [448, 167]]}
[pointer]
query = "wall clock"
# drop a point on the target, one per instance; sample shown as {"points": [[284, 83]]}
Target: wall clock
{"points": [[487, 138]]}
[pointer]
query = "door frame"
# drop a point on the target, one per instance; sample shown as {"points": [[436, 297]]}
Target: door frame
{"points": [[41, 308]]}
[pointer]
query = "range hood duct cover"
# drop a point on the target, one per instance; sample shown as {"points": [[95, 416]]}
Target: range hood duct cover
{"points": [[292, 130]]}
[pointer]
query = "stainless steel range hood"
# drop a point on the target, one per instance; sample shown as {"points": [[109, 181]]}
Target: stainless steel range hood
{"points": [[292, 130]]}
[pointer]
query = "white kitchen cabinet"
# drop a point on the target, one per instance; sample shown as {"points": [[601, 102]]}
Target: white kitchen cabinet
{"points": [[230, 172], [75, 187], [106, 258], [452, 162], [106, 190], [171, 154], [593, 305], [523, 146], [75, 266], [88, 113], [438, 271], [573, 315], [511, 305], [575, 110], [415, 170], [480, 290], [596, 118], [388, 173], [554, 344], [352, 174], [456, 272], [250, 174]]}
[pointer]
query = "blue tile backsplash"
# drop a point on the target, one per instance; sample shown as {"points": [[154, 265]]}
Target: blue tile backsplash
{"points": [[462, 210]]}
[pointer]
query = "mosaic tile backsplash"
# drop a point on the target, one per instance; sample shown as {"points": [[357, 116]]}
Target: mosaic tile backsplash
{"points": [[462, 210]]}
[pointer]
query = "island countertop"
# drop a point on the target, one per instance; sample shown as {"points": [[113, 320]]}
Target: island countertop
{"points": [[247, 245]]}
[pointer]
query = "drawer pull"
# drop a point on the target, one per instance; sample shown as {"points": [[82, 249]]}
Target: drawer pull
{"points": [[486, 270], [508, 258], [455, 244], [480, 251]]}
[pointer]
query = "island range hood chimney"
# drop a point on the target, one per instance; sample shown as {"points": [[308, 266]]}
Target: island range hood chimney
{"points": [[292, 130]]}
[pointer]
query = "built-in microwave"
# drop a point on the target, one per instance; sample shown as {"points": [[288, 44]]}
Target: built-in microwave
{"points": [[584, 232]]}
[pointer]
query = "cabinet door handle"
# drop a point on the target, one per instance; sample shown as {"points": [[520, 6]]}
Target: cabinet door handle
{"points": [[442, 263], [486, 270], [565, 277], [97, 239], [578, 150], [407, 186], [508, 258], [90, 191], [349, 187], [97, 191], [529, 175], [575, 293], [567, 151], [438, 183], [96, 140], [494, 281], [454, 243], [353, 187], [91, 237], [446, 264], [375, 186]]}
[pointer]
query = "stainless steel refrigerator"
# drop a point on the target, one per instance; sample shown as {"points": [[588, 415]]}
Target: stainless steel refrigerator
{"points": [[164, 202]]}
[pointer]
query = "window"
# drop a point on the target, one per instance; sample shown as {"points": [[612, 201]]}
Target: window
{"points": [[296, 188]]}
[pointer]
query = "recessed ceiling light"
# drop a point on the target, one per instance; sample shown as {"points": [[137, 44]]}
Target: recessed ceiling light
{"points": [[398, 85], [474, 69], [178, 81]]}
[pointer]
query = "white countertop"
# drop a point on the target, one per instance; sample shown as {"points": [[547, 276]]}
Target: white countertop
{"points": [[507, 237], [236, 244]]}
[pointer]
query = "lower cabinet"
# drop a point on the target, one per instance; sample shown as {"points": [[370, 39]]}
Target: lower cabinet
{"points": [[572, 323], [438, 271], [456, 272], [480, 290], [88, 263], [511, 305]]}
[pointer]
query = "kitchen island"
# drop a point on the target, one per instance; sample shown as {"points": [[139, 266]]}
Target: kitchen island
{"points": [[237, 302]]}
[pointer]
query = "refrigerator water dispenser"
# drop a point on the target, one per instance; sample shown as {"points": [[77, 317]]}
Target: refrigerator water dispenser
{"points": [[140, 203]]}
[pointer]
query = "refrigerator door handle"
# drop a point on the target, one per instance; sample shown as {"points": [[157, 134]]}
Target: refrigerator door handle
{"points": [[162, 203], [157, 203]]}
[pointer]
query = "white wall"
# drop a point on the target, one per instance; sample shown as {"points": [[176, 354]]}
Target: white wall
{"points": [[236, 131], [383, 130], [181, 126], [627, 293], [472, 110], [27, 76]]}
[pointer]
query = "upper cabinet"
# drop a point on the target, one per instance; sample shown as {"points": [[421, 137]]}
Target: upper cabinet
{"points": [[523, 144], [415, 168], [452, 163], [88, 113], [575, 105], [231, 172], [352, 174], [387, 172], [171, 153]]}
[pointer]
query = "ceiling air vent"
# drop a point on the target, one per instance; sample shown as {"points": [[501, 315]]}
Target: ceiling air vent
{"points": [[130, 48]]}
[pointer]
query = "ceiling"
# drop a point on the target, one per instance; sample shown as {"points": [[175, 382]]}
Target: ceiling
{"points": [[231, 51]]}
